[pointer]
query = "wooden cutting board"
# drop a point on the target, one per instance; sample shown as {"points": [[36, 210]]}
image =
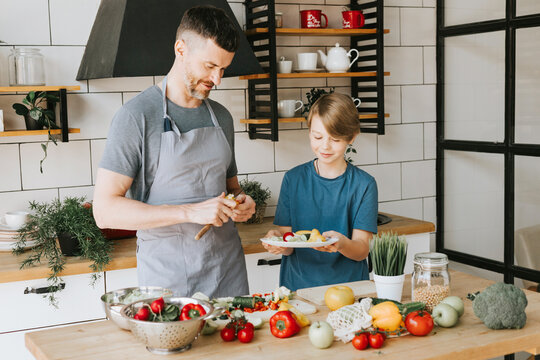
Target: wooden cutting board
{"points": [[316, 294]]}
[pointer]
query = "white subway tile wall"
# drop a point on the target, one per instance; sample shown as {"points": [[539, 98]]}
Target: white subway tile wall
{"points": [[60, 30], [418, 26], [418, 103]]}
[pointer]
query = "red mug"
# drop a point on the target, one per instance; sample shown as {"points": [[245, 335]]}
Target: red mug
{"points": [[353, 19], [312, 19]]}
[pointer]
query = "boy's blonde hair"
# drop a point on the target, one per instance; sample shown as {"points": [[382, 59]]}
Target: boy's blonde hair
{"points": [[338, 115]]}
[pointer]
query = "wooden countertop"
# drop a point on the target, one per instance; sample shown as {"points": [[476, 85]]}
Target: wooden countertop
{"points": [[123, 256], [469, 339]]}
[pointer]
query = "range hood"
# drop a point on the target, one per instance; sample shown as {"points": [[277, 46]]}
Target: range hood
{"points": [[136, 38]]}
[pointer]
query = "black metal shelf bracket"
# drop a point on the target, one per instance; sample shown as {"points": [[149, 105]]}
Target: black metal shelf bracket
{"points": [[262, 93]]}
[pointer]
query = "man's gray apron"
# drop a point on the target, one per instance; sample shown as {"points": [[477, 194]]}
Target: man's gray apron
{"points": [[192, 168]]}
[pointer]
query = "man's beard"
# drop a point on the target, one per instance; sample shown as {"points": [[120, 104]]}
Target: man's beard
{"points": [[191, 85]]}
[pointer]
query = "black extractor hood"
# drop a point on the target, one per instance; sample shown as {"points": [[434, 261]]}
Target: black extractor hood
{"points": [[136, 38]]}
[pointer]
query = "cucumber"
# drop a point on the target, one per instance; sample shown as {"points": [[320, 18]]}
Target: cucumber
{"points": [[404, 309], [245, 301], [408, 308]]}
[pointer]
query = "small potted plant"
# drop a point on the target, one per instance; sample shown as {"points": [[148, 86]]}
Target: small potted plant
{"points": [[312, 96], [38, 111], [388, 253], [260, 195], [59, 229]]}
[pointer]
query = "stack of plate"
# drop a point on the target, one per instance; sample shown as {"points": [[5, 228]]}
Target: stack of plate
{"points": [[8, 238]]}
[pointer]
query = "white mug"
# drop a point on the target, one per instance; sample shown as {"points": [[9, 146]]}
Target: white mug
{"points": [[287, 108], [307, 61], [16, 219], [357, 100], [1, 120], [284, 66]]}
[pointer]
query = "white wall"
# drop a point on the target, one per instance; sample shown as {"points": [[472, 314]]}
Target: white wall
{"points": [[402, 161]]}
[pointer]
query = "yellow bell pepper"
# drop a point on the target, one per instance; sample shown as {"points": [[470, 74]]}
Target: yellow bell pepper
{"points": [[386, 316], [301, 319]]}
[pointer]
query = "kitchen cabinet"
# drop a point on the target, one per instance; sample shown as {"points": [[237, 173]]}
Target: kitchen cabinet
{"points": [[263, 272], [22, 311], [77, 302], [366, 74], [62, 94]]}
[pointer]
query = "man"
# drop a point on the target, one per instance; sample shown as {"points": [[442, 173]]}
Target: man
{"points": [[173, 149]]}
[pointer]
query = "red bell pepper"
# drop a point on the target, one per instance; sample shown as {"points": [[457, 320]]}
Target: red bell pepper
{"points": [[191, 311], [283, 324]]}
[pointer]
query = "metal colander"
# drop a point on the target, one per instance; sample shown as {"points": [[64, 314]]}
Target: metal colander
{"points": [[168, 337]]}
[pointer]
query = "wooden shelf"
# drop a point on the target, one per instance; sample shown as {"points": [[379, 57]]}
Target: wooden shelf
{"points": [[300, 119], [315, 32], [312, 75], [36, 132], [37, 88]]}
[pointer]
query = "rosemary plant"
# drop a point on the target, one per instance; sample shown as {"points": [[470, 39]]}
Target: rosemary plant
{"points": [[388, 253], [45, 222]]}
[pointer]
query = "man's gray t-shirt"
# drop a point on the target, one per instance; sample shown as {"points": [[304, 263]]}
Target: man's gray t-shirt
{"points": [[134, 138]]}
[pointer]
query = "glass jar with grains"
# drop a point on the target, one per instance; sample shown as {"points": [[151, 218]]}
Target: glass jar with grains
{"points": [[430, 279]]}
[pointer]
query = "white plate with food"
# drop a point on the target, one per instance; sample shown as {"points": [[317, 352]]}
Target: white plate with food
{"points": [[277, 241]]}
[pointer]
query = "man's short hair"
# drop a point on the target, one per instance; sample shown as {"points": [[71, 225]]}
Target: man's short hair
{"points": [[210, 22]]}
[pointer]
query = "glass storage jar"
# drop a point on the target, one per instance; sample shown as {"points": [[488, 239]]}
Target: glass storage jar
{"points": [[26, 67], [430, 279]]}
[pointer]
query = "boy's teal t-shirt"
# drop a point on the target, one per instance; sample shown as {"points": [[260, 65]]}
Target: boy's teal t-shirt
{"points": [[309, 201]]}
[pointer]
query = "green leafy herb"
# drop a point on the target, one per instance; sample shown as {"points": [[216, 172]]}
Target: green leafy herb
{"points": [[46, 221]]}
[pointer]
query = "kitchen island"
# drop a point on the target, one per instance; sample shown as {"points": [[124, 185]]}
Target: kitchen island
{"points": [[469, 339]]}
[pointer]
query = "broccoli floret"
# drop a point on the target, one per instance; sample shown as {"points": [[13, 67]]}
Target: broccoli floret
{"points": [[500, 306]]}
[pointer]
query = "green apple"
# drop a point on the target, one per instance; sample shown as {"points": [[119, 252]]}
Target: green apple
{"points": [[321, 334], [444, 315], [456, 303]]}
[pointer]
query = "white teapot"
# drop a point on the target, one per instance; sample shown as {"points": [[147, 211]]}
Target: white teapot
{"points": [[337, 60]]}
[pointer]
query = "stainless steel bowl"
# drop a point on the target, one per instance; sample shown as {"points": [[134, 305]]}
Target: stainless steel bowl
{"points": [[113, 301], [168, 337]]}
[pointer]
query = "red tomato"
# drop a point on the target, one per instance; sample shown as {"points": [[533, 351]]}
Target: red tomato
{"points": [[143, 314], [246, 334], [376, 340], [360, 341], [382, 332], [157, 306], [227, 334], [419, 323]]}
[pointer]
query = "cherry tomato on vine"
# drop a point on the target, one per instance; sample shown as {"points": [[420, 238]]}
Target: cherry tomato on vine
{"points": [[246, 334], [227, 334], [376, 340], [360, 341]]}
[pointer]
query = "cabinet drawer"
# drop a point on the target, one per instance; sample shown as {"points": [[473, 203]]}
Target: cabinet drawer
{"points": [[263, 276], [79, 301]]}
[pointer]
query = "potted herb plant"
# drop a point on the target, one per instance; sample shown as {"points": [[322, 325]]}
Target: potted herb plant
{"points": [[312, 96], [60, 229], [260, 195], [38, 111], [388, 253]]}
